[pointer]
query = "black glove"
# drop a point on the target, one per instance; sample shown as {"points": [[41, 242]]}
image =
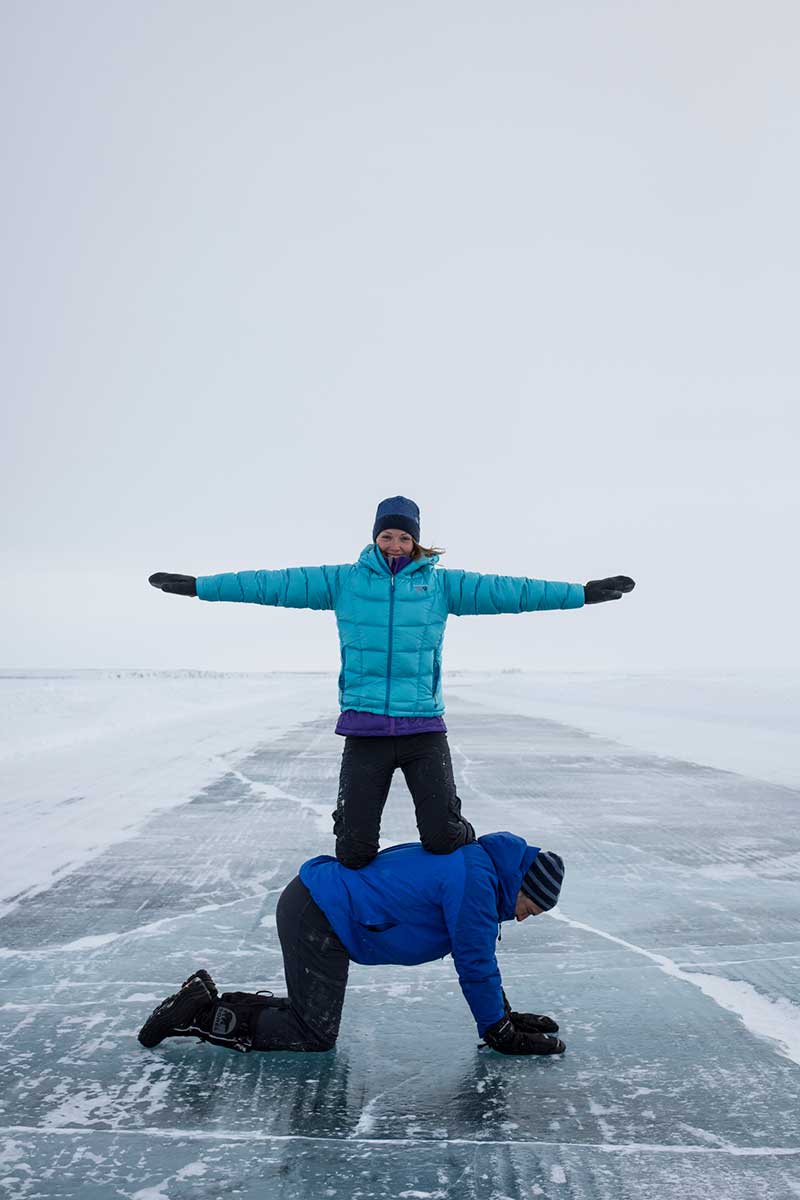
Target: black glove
{"points": [[530, 1022], [598, 590], [180, 585], [504, 1037]]}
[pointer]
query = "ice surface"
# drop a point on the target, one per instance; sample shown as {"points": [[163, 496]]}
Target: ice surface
{"points": [[673, 965]]}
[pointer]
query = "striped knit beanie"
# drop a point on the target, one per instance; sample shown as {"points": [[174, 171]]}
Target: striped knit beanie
{"points": [[542, 881]]}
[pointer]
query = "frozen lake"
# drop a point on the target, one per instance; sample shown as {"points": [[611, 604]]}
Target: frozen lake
{"points": [[150, 826]]}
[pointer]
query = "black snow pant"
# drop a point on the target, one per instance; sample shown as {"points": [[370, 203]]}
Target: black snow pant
{"points": [[315, 964], [368, 764]]}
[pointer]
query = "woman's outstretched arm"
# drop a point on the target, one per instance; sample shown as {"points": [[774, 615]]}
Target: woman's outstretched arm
{"points": [[471, 594], [292, 587]]}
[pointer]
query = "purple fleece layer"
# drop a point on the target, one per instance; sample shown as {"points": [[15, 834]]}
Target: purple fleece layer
{"points": [[365, 724]]}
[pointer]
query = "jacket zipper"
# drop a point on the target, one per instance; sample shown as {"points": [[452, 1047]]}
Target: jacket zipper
{"points": [[389, 662]]}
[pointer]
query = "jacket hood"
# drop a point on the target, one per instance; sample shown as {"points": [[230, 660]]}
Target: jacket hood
{"points": [[511, 856], [369, 557]]}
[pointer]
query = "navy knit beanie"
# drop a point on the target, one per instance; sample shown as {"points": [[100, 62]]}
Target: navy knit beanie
{"points": [[397, 513], [542, 881]]}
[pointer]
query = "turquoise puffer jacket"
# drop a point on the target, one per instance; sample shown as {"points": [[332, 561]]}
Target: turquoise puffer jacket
{"points": [[391, 627]]}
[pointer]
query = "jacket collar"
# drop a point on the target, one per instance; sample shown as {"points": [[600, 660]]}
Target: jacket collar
{"points": [[511, 856], [372, 558]]}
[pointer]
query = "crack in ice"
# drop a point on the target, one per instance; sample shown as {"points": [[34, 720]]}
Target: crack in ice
{"points": [[220, 1135]]}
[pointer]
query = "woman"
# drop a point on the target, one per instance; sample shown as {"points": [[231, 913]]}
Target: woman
{"points": [[391, 608]]}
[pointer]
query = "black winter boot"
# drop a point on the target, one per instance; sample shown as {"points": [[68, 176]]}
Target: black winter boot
{"points": [[174, 1016], [232, 1021]]}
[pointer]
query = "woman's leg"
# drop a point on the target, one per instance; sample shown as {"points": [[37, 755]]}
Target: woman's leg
{"points": [[366, 773], [424, 759]]}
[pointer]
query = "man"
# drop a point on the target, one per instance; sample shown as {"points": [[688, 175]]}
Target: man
{"points": [[407, 906]]}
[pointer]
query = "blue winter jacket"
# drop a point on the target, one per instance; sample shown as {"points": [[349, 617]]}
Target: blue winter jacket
{"points": [[391, 627], [408, 907]]}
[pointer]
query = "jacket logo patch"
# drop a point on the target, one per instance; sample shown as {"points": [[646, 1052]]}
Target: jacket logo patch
{"points": [[420, 587]]}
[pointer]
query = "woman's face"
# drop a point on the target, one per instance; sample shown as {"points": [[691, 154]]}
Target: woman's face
{"points": [[393, 543]]}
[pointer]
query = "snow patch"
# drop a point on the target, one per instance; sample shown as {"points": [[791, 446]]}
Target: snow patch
{"points": [[191, 1170], [414, 1195], [152, 1193], [89, 943]]}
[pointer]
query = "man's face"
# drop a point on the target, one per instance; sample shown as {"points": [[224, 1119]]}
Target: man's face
{"points": [[525, 907]]}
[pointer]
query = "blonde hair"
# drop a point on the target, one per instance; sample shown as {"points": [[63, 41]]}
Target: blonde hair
{"points": [[425, 551]]}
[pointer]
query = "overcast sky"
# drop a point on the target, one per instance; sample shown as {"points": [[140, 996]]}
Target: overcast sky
{"points": [[533, 264]]}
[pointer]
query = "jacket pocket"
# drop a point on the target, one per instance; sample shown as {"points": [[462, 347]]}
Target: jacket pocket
{"points": [[341, 675], [437, 671]]}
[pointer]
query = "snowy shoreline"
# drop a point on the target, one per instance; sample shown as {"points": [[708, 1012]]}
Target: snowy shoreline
{"points": [[742, 721], [86, 758]]}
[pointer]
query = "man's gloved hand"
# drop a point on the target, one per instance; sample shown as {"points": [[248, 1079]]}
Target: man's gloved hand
{"points": [[504, 1037], [598, 590], [180, 585], [530, 1022]]}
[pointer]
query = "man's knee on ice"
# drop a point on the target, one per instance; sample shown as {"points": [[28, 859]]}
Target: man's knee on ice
{"points": [[322, 1044]]}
